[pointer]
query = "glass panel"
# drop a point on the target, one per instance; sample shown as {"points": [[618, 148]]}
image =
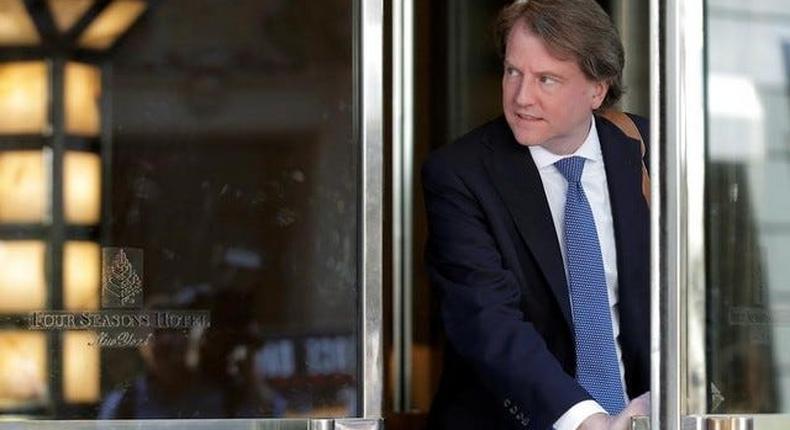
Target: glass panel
{"points": [[23, 189], [748, 206], [16, 27], [67, 12], [112, 23], [81, 268], [82, 99], [23, 98], [80, 367], [22, 285], [82, 187], [229, 160], [22, 369]]}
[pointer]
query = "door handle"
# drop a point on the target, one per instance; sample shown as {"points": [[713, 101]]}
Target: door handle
{"points": [[641, 422]]}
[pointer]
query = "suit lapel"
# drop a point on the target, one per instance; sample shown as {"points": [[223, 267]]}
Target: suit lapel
{"points": [[517, 179]]}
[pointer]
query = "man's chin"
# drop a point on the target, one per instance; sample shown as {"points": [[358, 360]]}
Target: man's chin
{"points": [[525, 137], [527, 140]]}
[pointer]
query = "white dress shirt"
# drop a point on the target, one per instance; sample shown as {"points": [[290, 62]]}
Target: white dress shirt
{"points": [[595, 188]]}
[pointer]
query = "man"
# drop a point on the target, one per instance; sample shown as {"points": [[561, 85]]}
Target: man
{"points": [[539, 238]]}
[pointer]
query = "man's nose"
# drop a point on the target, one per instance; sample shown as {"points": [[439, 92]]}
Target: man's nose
{"points": [[525, 94]]}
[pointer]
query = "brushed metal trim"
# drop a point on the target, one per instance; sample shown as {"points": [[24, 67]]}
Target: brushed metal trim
{"points": [[402, 200], [358, 424], [725, 422], [679, 378], [694, 138], [210, 424], [369, 45], [663, 291]]}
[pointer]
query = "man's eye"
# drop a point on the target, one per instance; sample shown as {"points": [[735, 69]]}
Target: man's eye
{"points": [[510, 71], [549, 80]]}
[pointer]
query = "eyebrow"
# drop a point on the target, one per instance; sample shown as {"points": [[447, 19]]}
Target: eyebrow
{"points": [[553, 74]]}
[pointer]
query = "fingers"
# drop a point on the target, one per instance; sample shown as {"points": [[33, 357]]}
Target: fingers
{"points": [[639, 406], [597, 422]]}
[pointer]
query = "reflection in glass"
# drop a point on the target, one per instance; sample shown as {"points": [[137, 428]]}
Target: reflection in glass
{"points": [[23, 98], [67, 12], [112, 23], [82, 93], [234, 167], [82, 187], [81, 271], [230, 160], [748, 206], [22, 285], [80, 367], [22, 187], [16, 27], [23, 372], [205, 372]]}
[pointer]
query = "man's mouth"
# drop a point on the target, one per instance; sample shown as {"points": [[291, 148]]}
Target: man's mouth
{"points": [[527, 117]]}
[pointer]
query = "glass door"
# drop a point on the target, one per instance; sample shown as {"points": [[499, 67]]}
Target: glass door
{"points": [[722, 231], [190, 213], [747, 208]]}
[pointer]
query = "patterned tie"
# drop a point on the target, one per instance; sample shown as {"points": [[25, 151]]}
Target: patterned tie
{"points": [[597, 367]]}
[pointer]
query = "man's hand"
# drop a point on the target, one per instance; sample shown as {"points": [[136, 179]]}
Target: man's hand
{"points": [[638, 406]]}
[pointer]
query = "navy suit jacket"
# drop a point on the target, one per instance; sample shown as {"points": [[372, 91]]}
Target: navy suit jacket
{"points": [[494, 259]]}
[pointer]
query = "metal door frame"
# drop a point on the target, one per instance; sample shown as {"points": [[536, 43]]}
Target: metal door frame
{"points": [[677, 159]]}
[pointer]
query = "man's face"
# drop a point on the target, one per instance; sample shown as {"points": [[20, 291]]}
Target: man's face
{"points": [[547, 101]]}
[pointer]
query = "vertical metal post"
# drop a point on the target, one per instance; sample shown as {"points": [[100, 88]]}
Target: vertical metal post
{"points": [[657, 277], [402, 199], [677, 160], [369, 68], [696, 383]]}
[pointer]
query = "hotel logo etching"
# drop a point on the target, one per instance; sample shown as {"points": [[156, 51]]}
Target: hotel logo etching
{"points": [[122, 322], [121, 285]]}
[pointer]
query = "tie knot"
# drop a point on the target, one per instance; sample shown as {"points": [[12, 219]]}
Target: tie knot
{"points": [[571, 168]]}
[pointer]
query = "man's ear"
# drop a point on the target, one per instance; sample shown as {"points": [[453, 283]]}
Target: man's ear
{"points": [[599, 90]]}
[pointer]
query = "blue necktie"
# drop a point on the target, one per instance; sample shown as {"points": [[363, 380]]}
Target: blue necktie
{"points": [[597, 367]]}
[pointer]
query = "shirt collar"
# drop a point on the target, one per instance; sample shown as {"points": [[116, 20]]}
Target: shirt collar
{"points": [[590, 149]]}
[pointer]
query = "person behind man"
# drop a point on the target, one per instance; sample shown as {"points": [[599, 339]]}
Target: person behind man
{"points": [[539, 238]]}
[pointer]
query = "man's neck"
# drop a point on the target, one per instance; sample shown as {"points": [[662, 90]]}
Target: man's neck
{"points": [[572, 143]]}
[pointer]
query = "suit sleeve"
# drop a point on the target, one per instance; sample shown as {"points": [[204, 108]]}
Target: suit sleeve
{"points": [[479, 301]]}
